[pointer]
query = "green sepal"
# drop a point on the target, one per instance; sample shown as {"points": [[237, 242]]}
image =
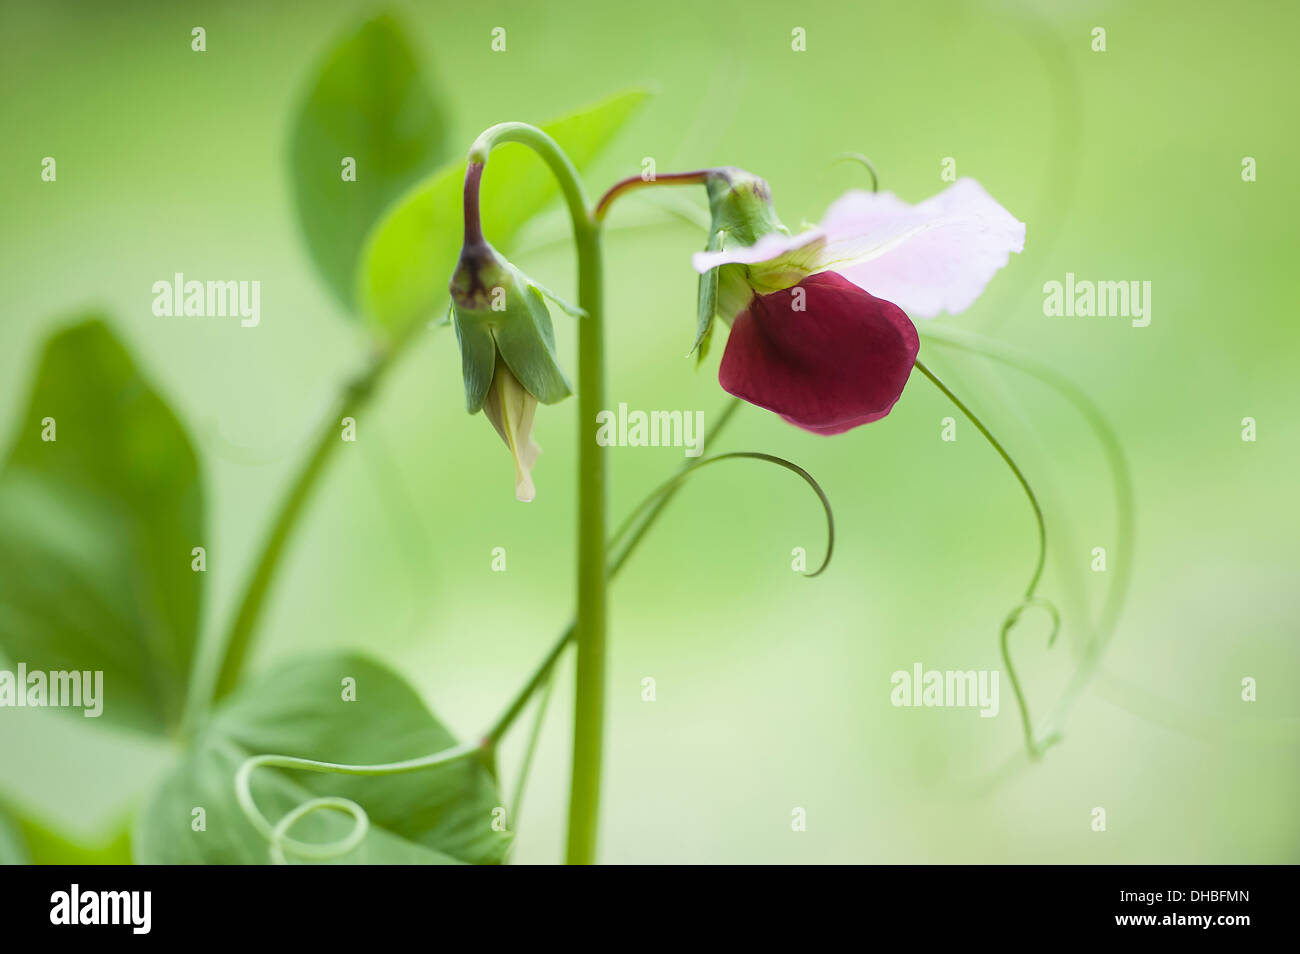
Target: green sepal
{"points": [[445, 320], [526, 341], [566, 306], [499, 310], [478, 356], [707, 300], [702, 352], [740, 205]]}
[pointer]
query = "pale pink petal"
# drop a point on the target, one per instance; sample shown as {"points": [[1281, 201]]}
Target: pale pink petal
{"points": [[770, 246], [946, 251]]}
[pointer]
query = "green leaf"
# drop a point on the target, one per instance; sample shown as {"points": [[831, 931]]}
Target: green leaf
{"points": [[368, 103], [478, 359], [96, 531], [412, 252], [440, 815]]}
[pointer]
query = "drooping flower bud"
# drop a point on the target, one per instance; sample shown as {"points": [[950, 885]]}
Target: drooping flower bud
{"points": [[507, 348]]}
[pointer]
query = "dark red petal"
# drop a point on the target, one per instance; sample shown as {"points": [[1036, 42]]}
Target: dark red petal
{"points": [[839, 363]]}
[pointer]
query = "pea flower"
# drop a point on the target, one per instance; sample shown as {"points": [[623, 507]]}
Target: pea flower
{"points": [[507, 348], [820, 331]]}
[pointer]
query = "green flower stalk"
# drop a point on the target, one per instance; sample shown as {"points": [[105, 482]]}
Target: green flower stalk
{"points": [[518, 332]]}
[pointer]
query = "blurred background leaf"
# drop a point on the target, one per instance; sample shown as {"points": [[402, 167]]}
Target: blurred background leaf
{"points": [[27, 840], [409, 257], [96, 531], [13, 851], [370, 103], [430, 816]]}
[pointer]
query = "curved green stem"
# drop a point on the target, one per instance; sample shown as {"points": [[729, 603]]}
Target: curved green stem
{"points": [[535, 682], [530, 749], [1032, 746], [1015, 469], [866, 163], [672, 483], [589, 697], [662, 500]]}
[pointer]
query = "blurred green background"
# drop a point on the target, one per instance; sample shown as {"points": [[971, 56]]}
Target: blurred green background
{"points": [[772, 690]]}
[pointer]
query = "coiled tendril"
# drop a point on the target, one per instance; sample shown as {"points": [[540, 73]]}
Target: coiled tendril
{"points": [[277, 834]]}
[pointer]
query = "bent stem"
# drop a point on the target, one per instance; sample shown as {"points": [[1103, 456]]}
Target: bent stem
{"points": [[623, 186], [1032, 746], [589, 698], [866, 163]]}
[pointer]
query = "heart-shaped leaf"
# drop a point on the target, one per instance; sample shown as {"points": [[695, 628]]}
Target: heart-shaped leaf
{"points": [[368, 128], [341, 708], [101, 505], [410, 255]]}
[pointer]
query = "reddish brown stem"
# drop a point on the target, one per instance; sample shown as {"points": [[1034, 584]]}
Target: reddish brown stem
{"points": [[636, 182], [473, 226]]}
